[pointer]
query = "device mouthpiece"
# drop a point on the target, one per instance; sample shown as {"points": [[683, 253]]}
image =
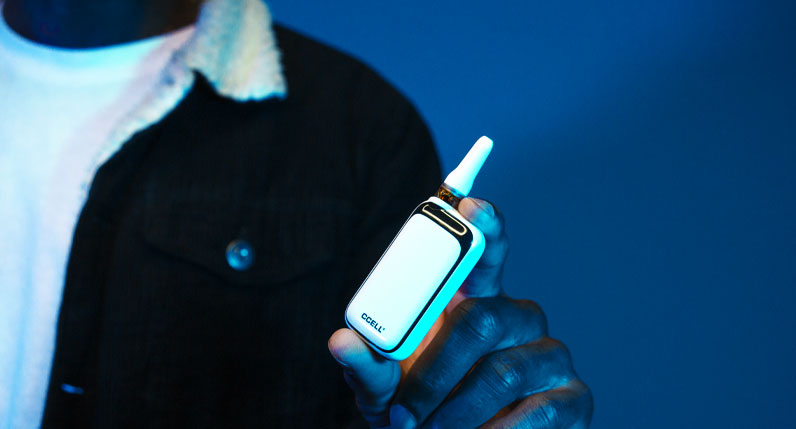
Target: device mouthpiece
{"points": [[461, 178]]}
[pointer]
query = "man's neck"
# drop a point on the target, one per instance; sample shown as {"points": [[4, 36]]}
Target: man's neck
{"points": [[96, 23]]}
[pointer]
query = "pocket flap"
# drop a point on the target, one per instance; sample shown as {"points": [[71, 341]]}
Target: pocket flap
{"points": [[287, 238]]}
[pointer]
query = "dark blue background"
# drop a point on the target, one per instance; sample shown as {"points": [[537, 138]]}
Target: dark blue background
{"points": [[645, 158]]}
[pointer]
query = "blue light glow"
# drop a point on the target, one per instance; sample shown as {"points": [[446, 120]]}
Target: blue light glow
{"points": [[72, 390]]}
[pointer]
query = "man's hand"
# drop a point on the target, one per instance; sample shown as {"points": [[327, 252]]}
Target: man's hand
{"points": [[488, 359]]}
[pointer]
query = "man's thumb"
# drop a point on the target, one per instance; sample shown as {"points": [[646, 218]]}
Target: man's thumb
{"points": [[373, 378]]}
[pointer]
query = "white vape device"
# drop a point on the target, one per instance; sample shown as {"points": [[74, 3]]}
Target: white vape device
{"points": [[422, 268]]}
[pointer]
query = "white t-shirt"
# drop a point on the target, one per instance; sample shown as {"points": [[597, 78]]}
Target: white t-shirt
{"points": [[57, 109]]}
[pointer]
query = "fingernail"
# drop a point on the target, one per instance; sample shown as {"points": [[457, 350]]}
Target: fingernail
{"points": [[485, 206], [401, 418]]}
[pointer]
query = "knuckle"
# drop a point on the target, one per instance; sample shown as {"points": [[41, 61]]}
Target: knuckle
{"points": [[498, 213], [418, 384], [367, 407], [584, 401], [502, 248], [530, 305], [496, 256], [588, 399], [551, 413], [478, 319], [504, 372], [376, 416], [588, 406], [557, 351], [428, 385], [538, 319], [544, 413]]}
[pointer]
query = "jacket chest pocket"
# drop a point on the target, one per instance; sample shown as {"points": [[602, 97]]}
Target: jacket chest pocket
{"points": [[248, 243]]}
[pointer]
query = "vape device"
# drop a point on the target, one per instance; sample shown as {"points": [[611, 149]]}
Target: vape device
{"points": [[422, 268]]}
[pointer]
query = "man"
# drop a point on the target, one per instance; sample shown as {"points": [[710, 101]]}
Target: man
{"points": [[219, 199]]}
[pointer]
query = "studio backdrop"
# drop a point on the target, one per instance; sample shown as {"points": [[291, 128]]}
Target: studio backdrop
{"points": [[645, 161]]}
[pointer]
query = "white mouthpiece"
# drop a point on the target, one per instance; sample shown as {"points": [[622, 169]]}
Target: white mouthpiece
{"points": [[462, 177]]}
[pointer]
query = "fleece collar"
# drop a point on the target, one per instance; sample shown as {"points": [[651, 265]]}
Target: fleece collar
{"points": [[234, 47]]}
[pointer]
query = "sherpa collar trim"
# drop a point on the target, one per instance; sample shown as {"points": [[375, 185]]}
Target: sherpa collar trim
{"points": [[234, 47]]}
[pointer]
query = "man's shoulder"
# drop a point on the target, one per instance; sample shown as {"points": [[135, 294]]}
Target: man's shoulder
{"points": [[313, 68]]}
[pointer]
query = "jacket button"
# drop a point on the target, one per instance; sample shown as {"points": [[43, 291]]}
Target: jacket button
{"points": [[240, 255]]}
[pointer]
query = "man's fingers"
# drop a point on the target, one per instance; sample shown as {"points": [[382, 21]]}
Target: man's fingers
{"points": [[372, 378], [568, 406], [484, 280], [476, 327], [502, 378]]}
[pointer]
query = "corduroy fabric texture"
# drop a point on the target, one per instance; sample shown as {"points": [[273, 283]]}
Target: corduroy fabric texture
{"points": [[156, 328]]}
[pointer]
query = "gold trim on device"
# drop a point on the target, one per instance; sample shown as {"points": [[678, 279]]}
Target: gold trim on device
{"points": [[446, 224]]}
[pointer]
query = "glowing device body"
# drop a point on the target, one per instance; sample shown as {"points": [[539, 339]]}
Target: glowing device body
{"points": [[421, 269]]}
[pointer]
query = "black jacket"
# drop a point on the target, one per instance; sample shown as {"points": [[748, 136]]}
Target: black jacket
{"points": [[157, 330]]}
